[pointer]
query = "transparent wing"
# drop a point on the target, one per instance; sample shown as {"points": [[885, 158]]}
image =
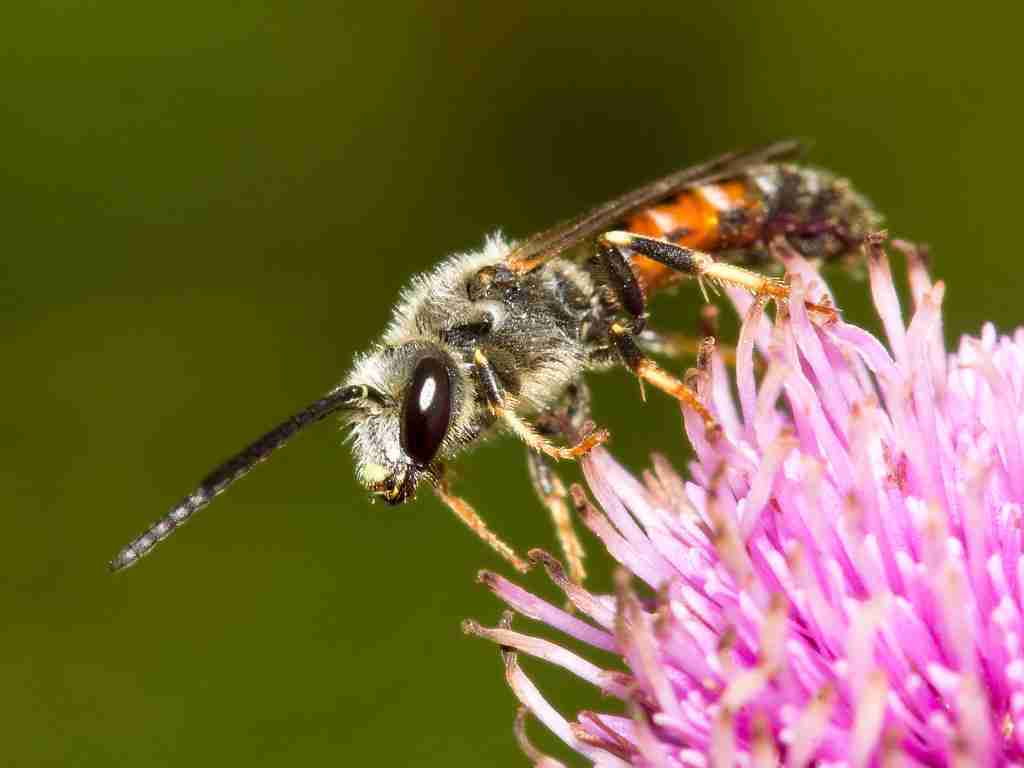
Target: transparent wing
{"points": [[540, 247]]}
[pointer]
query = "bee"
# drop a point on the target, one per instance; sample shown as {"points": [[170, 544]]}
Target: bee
{"points": [[500, 339]]}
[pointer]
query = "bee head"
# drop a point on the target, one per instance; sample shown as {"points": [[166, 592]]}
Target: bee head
{"points": [[417, 417]]}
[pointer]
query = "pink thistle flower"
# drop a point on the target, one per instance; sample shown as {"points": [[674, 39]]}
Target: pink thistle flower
{"points": [[840, 580]]}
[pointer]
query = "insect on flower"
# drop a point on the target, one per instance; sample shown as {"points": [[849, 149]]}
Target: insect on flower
{"points": [[837, 581], [500, 338]]}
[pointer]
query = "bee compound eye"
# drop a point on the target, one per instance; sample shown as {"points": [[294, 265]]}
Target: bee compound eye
{"points": [[427, 410]]}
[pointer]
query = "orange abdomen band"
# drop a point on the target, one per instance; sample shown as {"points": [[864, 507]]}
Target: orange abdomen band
{"points": [[709, 218]]}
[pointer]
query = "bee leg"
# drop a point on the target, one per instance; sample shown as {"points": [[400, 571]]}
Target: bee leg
{"points": [[468, 515], [623, 282], [703, 267], [552, 493], [649, 371], [566, 420], [503, 406], [673, 344]]}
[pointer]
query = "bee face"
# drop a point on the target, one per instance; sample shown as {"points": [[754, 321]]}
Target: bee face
{"points": [[396, 444]]}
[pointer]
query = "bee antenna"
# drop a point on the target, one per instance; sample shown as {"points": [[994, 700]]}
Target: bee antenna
{"points": [[238, 465]]}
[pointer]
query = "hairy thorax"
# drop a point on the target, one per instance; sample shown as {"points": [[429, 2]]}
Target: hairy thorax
{"points": [[527, 325]]}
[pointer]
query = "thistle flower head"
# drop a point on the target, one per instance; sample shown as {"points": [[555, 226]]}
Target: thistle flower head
{"points": [[837, 581]]}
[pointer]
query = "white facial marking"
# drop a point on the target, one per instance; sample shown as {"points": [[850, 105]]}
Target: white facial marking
{"points": [[374, 473]]}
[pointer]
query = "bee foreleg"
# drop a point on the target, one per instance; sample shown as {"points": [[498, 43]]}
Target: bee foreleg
{"points": [[503, 407], [649, 371], [468, 515]]}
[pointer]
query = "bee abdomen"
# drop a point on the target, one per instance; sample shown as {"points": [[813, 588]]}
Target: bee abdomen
{"points": [[821, 216]]}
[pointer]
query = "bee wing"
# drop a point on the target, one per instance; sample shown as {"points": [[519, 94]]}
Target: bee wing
{"points": [[540, 247]]}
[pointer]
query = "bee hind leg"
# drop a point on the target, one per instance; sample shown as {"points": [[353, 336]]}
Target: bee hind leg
{"points": [[623, 282], [625, 333], [704, 268]]}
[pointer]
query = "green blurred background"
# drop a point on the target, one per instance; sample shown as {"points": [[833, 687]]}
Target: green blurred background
{"points": [[208, 207]]}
